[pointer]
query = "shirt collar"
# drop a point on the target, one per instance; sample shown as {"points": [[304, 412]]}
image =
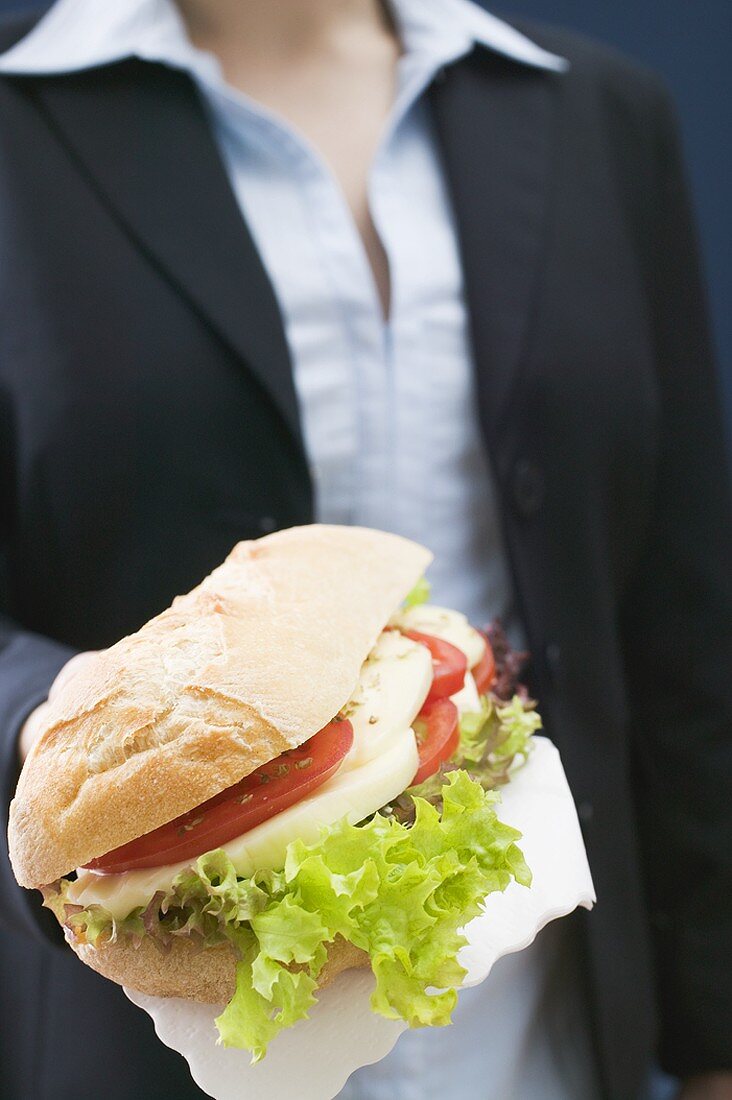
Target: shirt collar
{"points": [[83, 34]]}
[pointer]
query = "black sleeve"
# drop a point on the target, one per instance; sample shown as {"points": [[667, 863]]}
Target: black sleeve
{"points": [[678, 647], [28, 667]]}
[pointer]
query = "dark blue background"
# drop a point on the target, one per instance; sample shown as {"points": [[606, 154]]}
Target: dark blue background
{"points": [[689, 42]]}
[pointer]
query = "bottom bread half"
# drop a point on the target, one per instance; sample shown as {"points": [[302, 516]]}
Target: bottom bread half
{"points": [[207, 975]]}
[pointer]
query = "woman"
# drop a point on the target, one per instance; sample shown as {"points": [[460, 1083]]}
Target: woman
{"points": [[400, 265]]}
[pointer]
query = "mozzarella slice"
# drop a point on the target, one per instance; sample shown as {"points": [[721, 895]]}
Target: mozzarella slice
{"points": [[394, 683], [120, 894], [351, 794], [467, 700], [443, 623]]}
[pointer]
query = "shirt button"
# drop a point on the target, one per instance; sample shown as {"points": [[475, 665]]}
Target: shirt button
{"points": [[267, 524], [528, 487]]}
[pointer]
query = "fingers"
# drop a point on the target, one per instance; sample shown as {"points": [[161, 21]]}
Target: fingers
{"points": [[36, 720], [31, 730], [70, 669]]}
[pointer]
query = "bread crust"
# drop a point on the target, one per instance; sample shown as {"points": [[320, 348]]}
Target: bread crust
{"points": [[208, 976], [254, 661]]}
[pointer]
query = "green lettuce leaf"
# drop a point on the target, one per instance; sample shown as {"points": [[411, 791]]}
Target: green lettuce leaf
{"points": [[497, 737], [419, 594], [93, 923], [402, 893], [268, 997]]}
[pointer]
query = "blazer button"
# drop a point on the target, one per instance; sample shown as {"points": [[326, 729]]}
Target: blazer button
{"points": [[585, 812], [267, 524], [528, 487], [553, 655]]}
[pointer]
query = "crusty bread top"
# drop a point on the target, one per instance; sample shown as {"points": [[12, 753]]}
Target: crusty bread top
{"points": [[254, 661]]}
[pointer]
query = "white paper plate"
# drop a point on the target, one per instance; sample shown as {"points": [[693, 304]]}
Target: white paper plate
{"points": [[343, 1033]]}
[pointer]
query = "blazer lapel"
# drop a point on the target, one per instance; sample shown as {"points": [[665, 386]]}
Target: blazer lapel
{"points": [[140, 134], [494, 123]]}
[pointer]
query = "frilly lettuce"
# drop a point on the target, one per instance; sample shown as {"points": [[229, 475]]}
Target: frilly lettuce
{"points": [[399, 892], [498, 737], [494, 742]]}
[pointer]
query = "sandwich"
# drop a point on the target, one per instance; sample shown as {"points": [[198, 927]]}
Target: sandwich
{"points": [[290, 772]]}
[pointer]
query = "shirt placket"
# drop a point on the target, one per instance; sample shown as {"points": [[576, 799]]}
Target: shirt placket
{"points": [[329, 384], [342, 345], [363, 365], [397, 490]]}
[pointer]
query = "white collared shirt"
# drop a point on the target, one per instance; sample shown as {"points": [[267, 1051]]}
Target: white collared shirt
{"points": [[388, 411]]}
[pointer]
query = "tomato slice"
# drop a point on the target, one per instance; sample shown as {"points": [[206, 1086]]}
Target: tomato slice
{"points": [[449, 664], [484, 672], [259, 796], [438, 735]]}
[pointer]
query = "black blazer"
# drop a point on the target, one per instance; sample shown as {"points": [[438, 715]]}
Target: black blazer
{"points": [[149, 421]]}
